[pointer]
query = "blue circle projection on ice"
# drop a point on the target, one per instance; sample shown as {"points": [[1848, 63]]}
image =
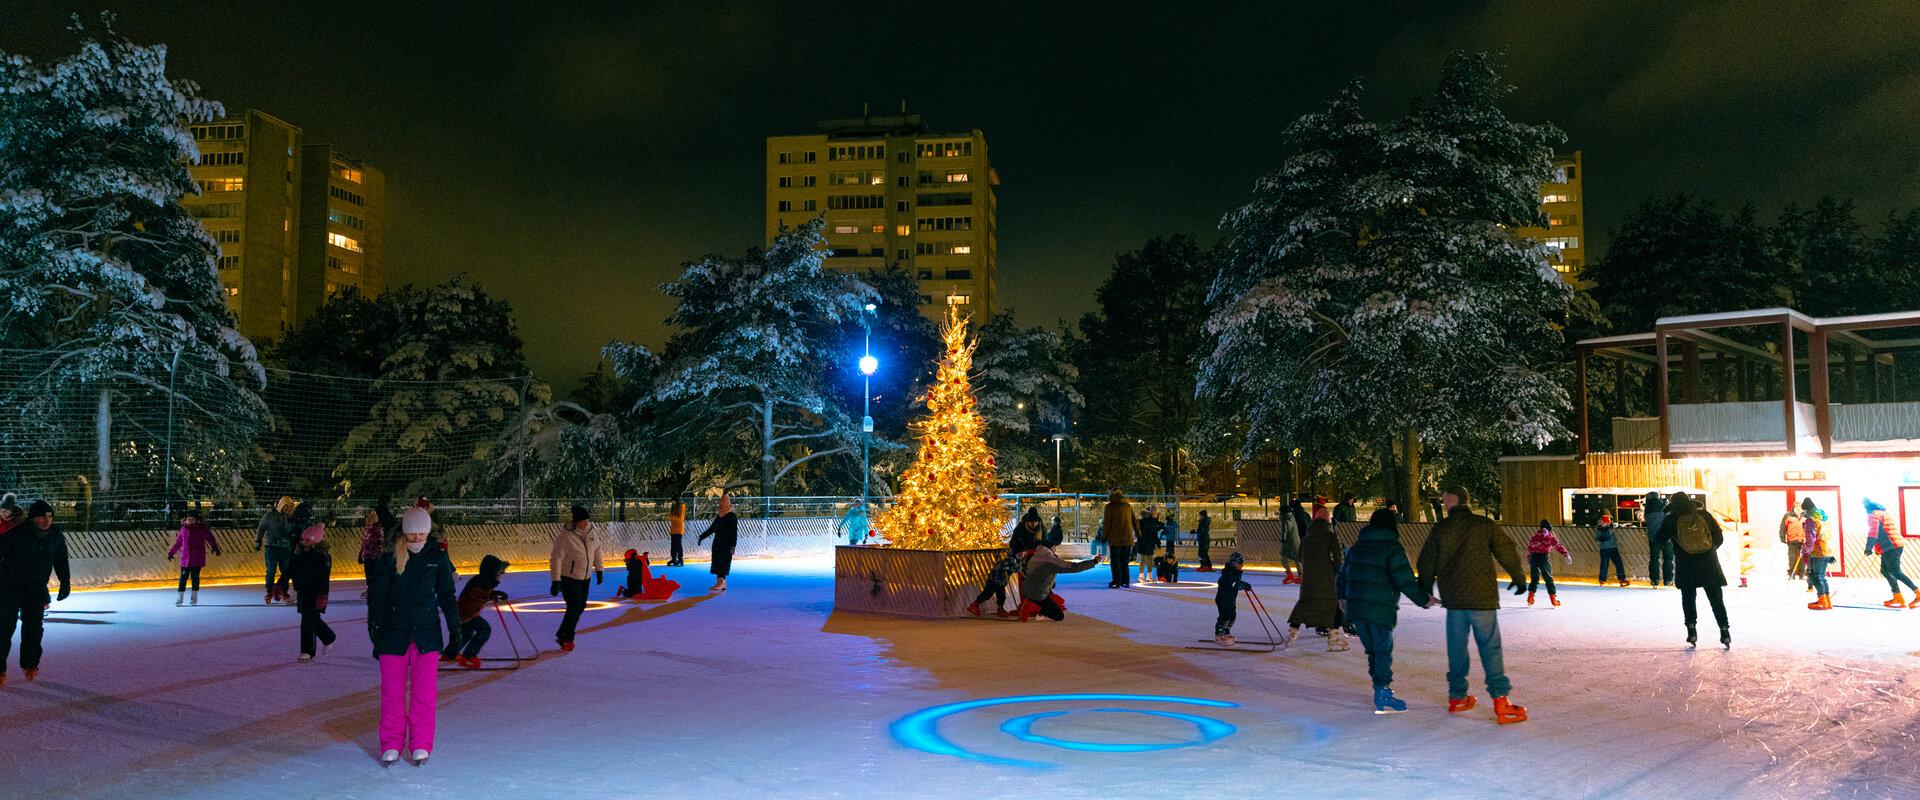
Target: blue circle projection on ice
{"points": [[920, 730]]}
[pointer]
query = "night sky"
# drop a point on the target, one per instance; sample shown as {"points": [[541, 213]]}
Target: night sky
{"points": [[570, 158]]}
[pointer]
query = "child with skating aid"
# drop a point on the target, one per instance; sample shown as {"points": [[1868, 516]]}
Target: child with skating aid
{"points": [[1226, 599], [481, 589], [191, 547], [1540, 564]]}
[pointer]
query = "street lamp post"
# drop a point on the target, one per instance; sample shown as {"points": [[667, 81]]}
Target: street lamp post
{"points": [[1057, 439], [868, 366]]}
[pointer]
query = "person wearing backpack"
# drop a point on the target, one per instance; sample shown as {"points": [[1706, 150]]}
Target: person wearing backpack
{"points": [[1818, 553], [1694, 536]]}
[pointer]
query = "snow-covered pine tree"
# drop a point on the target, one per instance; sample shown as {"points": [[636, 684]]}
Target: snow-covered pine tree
{"points": [[1025, 386], [457, 367], [1375, 293], [759, 333], [111, 283]]}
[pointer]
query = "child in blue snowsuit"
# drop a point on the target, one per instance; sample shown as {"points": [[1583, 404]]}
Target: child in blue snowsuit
{"points": [[1226, 599]]}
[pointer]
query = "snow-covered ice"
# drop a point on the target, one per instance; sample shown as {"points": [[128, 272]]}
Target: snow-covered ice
{"points": [[765, 692]]}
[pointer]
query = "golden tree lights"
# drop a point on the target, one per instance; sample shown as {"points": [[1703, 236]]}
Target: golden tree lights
{"points": [[948, 499]]}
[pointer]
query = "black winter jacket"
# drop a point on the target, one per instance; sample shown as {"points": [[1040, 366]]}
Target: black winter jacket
{"points": [[1374, 577], [28, 558], [408, 608], [312, 569]]}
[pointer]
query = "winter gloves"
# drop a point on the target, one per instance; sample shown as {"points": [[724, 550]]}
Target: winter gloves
{"points": [[499, 597], [599, 577], [65, 589], [1517, 588], [553, 590]]}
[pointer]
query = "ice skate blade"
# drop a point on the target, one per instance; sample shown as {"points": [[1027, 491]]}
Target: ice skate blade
{"points": [[1380, 712]]}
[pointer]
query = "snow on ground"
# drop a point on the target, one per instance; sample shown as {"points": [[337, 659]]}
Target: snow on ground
{"points": [[765, 692]]}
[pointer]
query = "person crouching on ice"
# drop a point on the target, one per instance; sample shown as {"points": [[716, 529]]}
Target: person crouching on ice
{"points": [[480, 590], [1002, 574], [1226, 599], [1036, 583]]}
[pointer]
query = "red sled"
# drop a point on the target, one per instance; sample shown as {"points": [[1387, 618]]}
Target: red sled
{"points": [[651, 589]]}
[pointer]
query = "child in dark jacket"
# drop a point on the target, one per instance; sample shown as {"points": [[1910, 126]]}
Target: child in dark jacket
{"points": [[1226, 599], [311, 571], [996, 586], [641, 585], [480, 590], [1373, 577]]}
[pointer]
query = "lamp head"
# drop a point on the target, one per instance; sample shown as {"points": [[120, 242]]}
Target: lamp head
{"points": [[869, 365]]}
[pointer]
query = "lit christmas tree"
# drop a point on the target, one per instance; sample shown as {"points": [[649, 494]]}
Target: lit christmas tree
{"points": [[948, 499]]}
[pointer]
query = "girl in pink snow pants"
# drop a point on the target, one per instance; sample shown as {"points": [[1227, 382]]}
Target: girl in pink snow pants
{"points": [[409, 596]]}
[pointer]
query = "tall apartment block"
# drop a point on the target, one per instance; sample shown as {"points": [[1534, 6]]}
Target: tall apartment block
{"points": [[1565, 234], [294, 222], [894, 192]]}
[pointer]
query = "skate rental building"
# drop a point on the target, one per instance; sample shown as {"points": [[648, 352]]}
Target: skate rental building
{"points": [[1755, 411]]}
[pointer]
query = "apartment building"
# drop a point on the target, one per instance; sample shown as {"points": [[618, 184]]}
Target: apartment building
{"points": [[1565, 233]]}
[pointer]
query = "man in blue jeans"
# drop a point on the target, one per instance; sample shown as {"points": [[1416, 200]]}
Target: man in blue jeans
{"points": [[1459, 555]]}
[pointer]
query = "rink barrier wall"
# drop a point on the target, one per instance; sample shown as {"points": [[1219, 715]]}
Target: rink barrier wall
{"points": [[1259, 543], [105, 558], [915, 583]]}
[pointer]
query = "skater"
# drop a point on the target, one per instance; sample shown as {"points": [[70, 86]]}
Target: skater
{"points": [[1147, 541], [1054, 534], [641, 585], [677, 531], [373, 543], [410, 595], [1117, 523], [1793, 534], [274, 538], [1817, 551], [1036, 583], [1540, 561], [1166, 569], [1695, 537], [29, 555], [1202, 537], [1659, 559], [1609, 543], [725, 531], [995, 587], [855, 523], [1319, 604], [1099, 543], [10, 514], [576, 553], [1170, 531], [191, 545], [1883, 535], [1226, 599], [1374, 576], [1456, 557], [312, 570], [481, 589], [1347, 510], [1293, 525]]}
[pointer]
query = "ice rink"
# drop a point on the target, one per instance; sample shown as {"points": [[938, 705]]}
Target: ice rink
{"points": [[764, 692]]}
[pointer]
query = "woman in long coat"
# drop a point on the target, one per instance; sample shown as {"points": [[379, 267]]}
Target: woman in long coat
{"points": [[1319, 604], [725, 531]]}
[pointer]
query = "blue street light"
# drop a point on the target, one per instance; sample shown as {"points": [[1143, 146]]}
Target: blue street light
{"points": [[868, 366]]}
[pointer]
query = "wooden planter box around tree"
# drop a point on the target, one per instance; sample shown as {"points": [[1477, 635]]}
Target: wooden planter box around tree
{"points": [[918, 583]]}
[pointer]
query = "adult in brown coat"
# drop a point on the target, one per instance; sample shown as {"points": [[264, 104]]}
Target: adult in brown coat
{"points": [[1118, 522], [1319, 604], [1459, 555]]}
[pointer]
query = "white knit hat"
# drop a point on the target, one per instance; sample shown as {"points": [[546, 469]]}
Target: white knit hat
{"points": [[416, 520]]}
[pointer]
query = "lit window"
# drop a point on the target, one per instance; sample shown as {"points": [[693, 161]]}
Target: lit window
{"points": [[962, 249], [1556, 198], [346, 173], [879, 227], [343, 242], [958, 177], [223, 185], [233, 291], [959, 299], [846, 228], [903, 230], [1563, 242]]}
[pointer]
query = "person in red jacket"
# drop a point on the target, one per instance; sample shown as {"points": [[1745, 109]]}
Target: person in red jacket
{"points": [[191, 546], [1540, 564], [641, 585], [9, 513]]}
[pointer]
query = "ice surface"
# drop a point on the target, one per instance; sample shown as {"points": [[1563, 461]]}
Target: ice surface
{"points": [[763, 692]]}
